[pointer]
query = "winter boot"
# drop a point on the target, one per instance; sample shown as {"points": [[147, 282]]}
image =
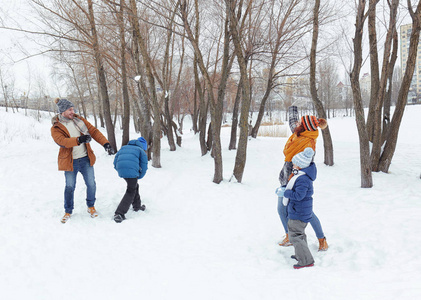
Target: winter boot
{"points": [[297, 266], [323, 244], [92, 212], [65, 218], [142, 208], [119, 218], [285, 242]]}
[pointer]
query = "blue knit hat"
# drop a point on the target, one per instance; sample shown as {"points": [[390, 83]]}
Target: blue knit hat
{"points": [[303, 159], [63, 104]]}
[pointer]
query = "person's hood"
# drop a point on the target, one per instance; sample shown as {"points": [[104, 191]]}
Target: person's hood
{"points": [[140, 142], [311, 171]]}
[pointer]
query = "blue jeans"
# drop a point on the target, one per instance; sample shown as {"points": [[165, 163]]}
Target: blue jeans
{"points": [[83, 166], [315, 222]]}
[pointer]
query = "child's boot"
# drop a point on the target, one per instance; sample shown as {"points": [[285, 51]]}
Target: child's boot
{"points": [[119, 218], [323, 244]]}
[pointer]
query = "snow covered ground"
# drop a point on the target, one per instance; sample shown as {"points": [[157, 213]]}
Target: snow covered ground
{"points": [[199, 240]]}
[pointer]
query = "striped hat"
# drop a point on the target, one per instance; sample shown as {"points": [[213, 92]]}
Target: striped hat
{"points": [[311, 123], [303, 159]]}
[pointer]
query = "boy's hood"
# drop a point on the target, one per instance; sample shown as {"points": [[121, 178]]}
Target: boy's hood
{"points": [[140, 142], [311, 171]]}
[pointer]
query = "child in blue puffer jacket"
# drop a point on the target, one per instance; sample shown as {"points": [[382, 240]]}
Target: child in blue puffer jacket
{"points": [[131, 163], [299, 201]]}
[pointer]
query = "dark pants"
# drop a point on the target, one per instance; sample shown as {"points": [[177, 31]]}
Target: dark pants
{"points": [[130, 197]]}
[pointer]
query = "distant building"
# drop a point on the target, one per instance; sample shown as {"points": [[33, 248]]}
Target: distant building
{"points": [[365, 83]]}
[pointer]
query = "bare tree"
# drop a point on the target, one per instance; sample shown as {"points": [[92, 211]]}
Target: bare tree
{"points": [[379, 84], [365, 161], [390, 146], [288, 23], [234, 15], [216, 103], [144, 95], [327, 139], [156, 128]]}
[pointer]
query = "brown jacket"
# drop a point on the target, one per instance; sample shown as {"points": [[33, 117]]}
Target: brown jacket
{"points": [[62, 138]]}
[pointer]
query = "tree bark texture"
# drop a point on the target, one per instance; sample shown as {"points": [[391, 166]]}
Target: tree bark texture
{"points": [[234, 125], [126, 100], [102, 80], [365, 162], [144, 113], [156, 128], [240, 158], [387, 68], [374, 67], [389, 148], [215, 108], [327, 139]]}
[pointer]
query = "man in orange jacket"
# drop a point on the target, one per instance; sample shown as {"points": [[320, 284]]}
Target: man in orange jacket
{"points": [[73, 134]]}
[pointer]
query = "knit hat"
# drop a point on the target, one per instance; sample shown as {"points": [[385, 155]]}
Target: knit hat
{"points": [[143, 143], [311, 123], [303, 159], [63, 104]]}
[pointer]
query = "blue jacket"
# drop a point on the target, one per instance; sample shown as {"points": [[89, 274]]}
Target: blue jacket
{"points": [[300, 206], [131, 161]]}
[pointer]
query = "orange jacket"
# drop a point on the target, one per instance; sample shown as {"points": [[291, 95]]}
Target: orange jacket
{"points": [[297, 144], [62, 138]]}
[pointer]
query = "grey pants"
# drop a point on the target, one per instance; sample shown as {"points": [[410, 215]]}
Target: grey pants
{"points": [[298, 239]]}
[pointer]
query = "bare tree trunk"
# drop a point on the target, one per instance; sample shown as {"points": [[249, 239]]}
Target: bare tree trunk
{"points": [[387, 68], [203, 105], [256, 127], [203, 111], [234, 125], [216, 107], [4, 88], [166, 74], [388, 98], [156, 128], [374, 68], [102, 79], [144, 113], [91, 97], [240, 158], [389, 149], [365, 162], [327, 139], [169, 122], [194, 115], [126, 100]]}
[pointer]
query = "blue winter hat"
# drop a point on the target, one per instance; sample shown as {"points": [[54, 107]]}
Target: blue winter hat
{"points": [[303, 159], [63, 104], [143, 143]]}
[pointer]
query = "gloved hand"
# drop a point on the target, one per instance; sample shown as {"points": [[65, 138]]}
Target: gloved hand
{"points": [[84, 139], [109, 149], [280, 191]]}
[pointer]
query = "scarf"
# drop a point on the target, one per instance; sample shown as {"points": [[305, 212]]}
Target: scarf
{"points": [[297, 144], [290, 185], [78, 123]]}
